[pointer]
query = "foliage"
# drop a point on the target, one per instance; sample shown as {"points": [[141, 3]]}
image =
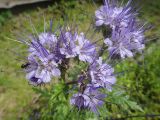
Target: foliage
{"points": [[5, 16]]}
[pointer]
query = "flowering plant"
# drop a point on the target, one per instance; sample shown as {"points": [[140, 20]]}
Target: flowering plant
{"points": [[51, 55]]}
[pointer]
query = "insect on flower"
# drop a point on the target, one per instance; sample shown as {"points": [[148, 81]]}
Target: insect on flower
{"points": [[25, 65]]}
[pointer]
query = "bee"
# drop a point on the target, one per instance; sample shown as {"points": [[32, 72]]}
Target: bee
{"points": [[25, 65], [82, 87]]}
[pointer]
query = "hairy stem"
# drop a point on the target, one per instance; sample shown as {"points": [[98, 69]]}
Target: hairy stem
{"points": [[71, 82]]}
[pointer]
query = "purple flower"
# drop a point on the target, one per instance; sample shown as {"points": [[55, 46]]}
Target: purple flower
{"points": [[47, 39], [102, 75], [85, 49], [68, 44], [126, 41], [42, 65], [79, 100], [30, 69], [90, 98], [113, 14]]}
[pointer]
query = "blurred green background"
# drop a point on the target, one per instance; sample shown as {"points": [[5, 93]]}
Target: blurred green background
{"points": [[17, 98]]}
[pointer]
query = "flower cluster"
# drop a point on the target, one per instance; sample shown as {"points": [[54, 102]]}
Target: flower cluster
{"points": [[127, 36], [125, 42], [98, 76], [42, 64], [49, 51], [113, 14], [102, 75], [89, 98], [77, 45]]}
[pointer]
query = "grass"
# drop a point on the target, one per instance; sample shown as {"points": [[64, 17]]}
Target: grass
{"points": [[15, 93]]}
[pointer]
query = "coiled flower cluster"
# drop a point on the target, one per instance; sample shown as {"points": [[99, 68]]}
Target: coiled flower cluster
{"points": [[127, 35], [49, 52]]}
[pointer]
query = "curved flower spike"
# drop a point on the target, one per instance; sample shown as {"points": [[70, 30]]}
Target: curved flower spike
{"points": [[85, 49], [113, 14], [102, 75], [91, 98], [125, 42]]}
